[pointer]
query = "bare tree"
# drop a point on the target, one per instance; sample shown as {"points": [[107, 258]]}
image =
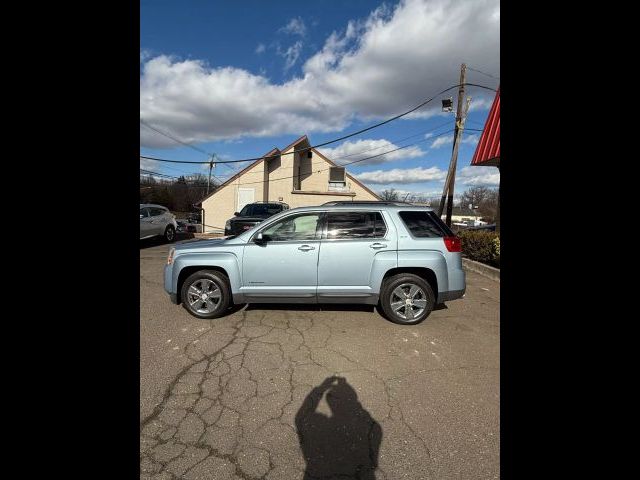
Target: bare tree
{"points": [[486, 199], [389, 195]]}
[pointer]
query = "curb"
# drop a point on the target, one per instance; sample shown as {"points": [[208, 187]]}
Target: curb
{"points": [[484, 270]]}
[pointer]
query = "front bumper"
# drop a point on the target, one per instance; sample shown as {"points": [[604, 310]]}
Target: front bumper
{"points": [[168, 279]]}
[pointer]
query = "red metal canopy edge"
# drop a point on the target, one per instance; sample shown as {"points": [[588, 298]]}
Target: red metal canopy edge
{"points": [[488, 149]]}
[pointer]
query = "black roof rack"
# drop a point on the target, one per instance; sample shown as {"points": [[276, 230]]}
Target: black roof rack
{"points": [[366, 202]]}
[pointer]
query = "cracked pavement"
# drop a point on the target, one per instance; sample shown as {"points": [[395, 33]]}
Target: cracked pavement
{"points": [[243, 396]]}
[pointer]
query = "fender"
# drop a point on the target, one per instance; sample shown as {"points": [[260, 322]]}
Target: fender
{"points": [[226, 260], [431, 259]]}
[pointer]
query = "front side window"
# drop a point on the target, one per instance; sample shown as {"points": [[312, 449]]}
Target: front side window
{"points": [[144, 212], [299, 227], [355, 225]]}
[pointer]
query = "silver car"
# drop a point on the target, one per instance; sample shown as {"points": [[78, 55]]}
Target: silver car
{"points": [[157, 221], [397, 255]]}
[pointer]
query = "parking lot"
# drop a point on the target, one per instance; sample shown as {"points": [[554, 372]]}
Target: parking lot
{"points": [[253, 394]]}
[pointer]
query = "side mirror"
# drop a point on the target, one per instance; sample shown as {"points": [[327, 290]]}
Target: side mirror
{"points": [[261, 239], [236, 214]]}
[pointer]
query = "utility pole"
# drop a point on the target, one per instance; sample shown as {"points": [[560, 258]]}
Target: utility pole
{"points": [[210, 168], [447, 192], [454, 162]]}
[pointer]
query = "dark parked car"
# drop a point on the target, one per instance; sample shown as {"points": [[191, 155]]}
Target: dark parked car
{"points": [[251, 215]]}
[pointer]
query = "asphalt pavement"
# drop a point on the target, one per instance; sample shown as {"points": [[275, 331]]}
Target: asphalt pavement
{"points": [[284, 391]]}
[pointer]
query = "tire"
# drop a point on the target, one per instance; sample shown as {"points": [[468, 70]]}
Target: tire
{"points": [[169, 234], [204, 308], [394, 294]]}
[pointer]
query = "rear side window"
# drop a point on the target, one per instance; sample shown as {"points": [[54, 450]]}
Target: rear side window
{"points": [[156, 211], [425, 224], [355, 225]]}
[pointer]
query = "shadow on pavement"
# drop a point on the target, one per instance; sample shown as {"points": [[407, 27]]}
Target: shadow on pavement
{"points": [[344, 444]]}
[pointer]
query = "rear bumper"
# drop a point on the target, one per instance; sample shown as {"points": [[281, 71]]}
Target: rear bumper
{"points": [[174, 298], [450, 295]]}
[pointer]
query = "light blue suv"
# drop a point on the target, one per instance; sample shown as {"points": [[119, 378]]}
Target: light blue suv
{"points": [[398, 255]]}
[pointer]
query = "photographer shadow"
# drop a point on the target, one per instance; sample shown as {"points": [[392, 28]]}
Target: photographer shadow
{"points": [[343, 444]]}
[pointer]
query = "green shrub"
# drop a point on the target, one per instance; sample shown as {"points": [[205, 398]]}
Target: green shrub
{"points": [[481, 246]]}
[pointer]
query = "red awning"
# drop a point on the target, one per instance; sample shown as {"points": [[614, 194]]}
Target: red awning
{"points": [[488, 149]]}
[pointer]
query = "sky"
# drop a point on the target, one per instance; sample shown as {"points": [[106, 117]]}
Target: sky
{"points": [[236, 79]]}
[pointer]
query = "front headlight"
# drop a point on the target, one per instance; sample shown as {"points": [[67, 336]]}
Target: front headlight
{"points": [[170, 257], [227, 225]]}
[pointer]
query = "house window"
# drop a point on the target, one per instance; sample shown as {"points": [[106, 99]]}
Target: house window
{"points": [[337, 180]]}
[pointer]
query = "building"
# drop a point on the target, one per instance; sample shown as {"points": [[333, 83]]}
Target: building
{"points": [[462, 215], [297, 175], [487, 152]]}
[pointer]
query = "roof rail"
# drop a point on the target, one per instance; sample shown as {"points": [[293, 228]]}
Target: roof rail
{"points": [[366, 202]]}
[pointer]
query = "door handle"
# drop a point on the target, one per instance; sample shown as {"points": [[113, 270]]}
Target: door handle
{"points": [[306, 248], [377, 245]]}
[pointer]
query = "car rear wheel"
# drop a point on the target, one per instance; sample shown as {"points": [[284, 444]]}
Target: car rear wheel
{"points": [[206, 294], [407, 299], [169, 234]]}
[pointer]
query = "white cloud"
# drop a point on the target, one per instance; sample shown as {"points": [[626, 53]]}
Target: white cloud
{"points": [[147, 164], [260, 48], [374, 68], [448, 140], [482, 176], [353, 150], [403, 175], [295, 26], [291, 54]]}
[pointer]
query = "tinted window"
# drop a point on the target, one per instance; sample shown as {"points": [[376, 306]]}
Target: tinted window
{"points": [[355, 225], [425, 224], [154, 211], [260, 209], [300, 227], [144, 212]]}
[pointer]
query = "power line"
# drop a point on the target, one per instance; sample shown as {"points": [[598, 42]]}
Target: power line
{"points": [[351, 163], [175, 139], [344, 137], [483, 73]]}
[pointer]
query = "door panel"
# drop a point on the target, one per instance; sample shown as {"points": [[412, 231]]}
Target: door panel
{"points": [[354, 245], [157, 222], [145, 225], [285, 267]]}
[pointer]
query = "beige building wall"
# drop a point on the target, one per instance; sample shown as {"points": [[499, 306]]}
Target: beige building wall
{"points": [[220, 206], [277, 183]]}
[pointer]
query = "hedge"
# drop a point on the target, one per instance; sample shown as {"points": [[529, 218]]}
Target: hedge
{"points": [[481, 246]]}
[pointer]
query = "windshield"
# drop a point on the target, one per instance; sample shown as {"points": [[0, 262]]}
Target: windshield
{"points": [[260, 209]]}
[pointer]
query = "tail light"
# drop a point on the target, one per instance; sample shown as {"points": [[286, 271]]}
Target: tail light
{"points": [[453, 244]]}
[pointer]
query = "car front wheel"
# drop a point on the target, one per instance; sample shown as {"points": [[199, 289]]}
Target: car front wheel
{"points": [[169, 234], [407, 299], [206, 294]]}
